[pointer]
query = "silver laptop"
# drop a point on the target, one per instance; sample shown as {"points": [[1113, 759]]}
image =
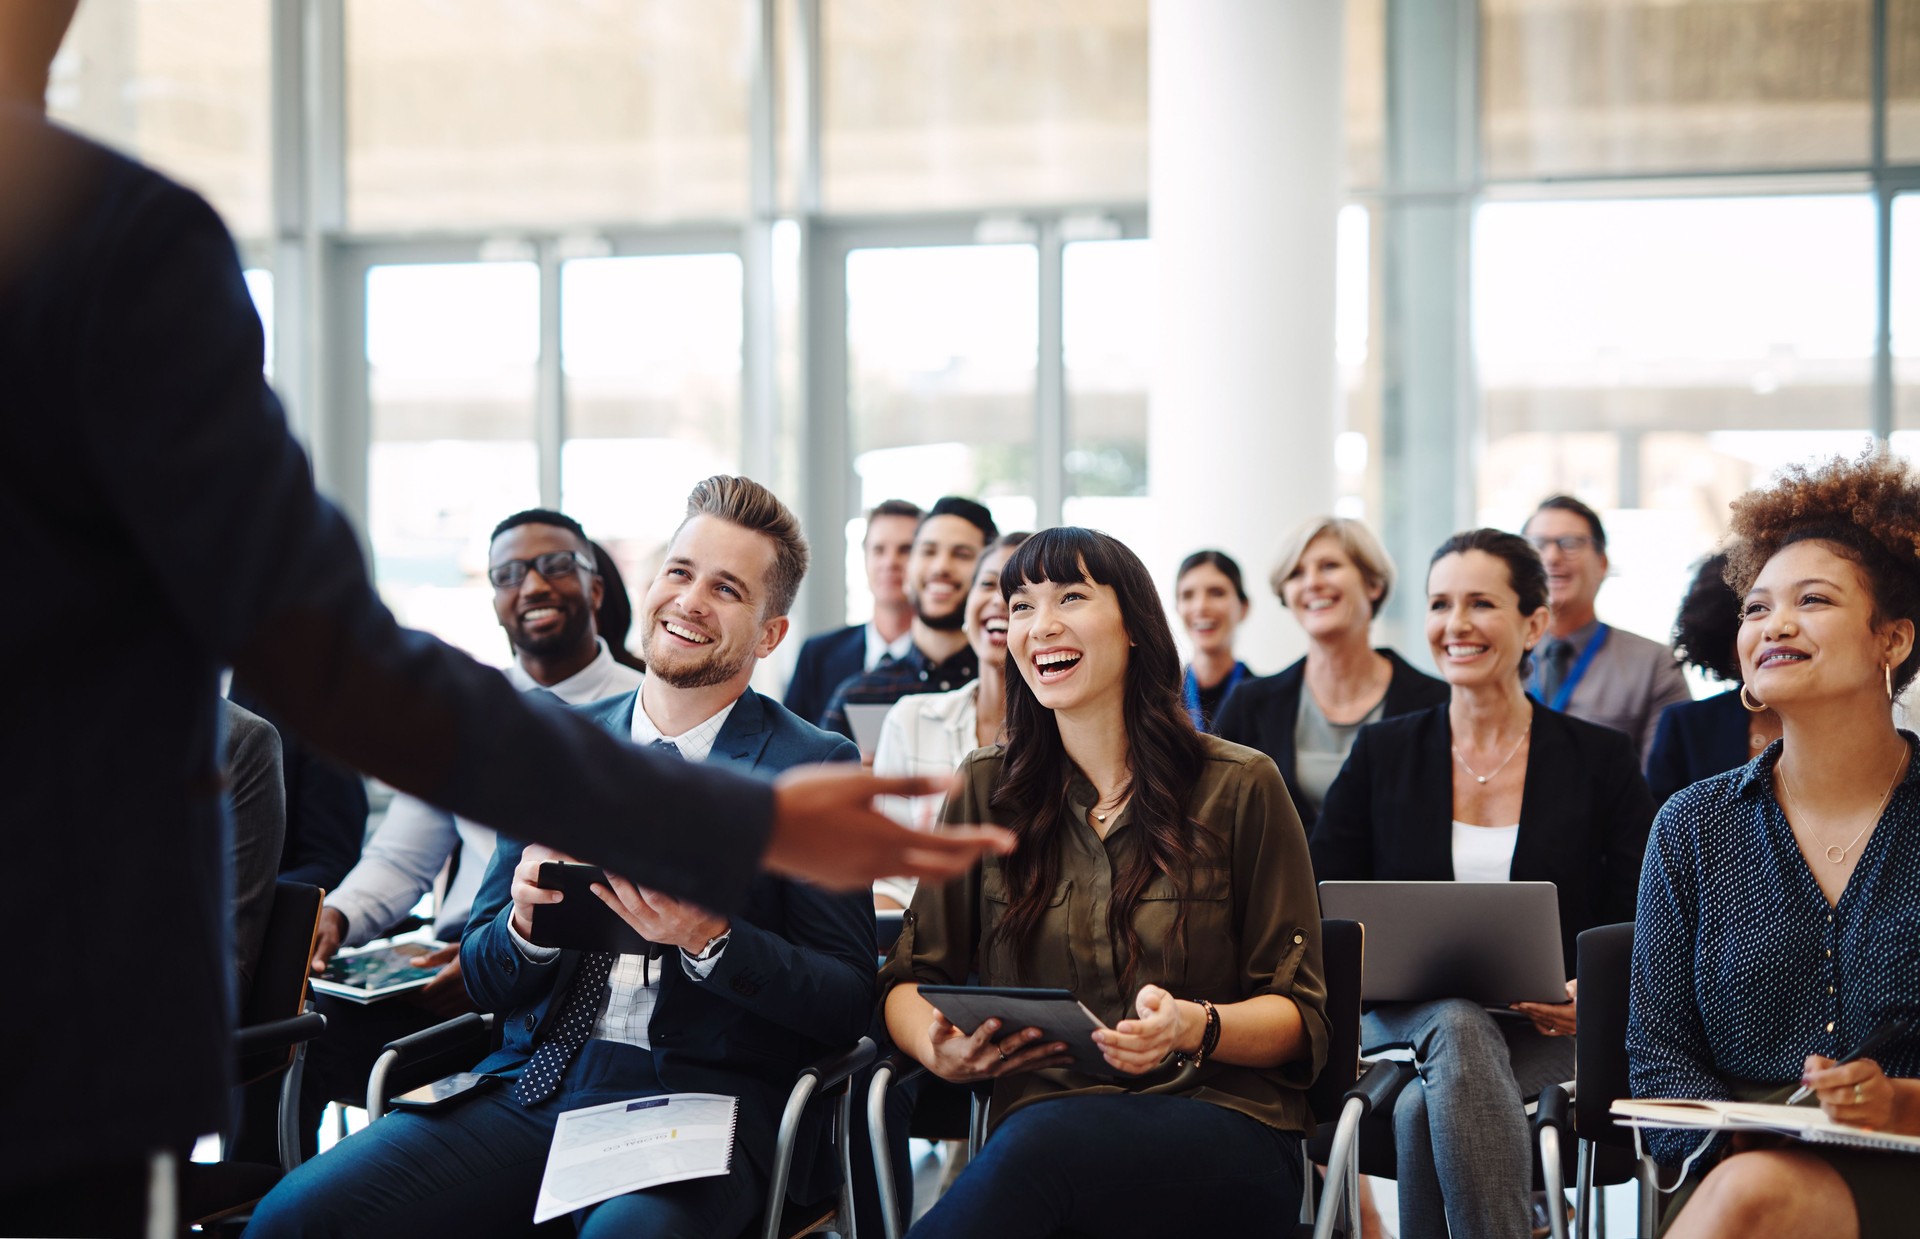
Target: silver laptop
{"points": [[866, 721], [1493, 943]]}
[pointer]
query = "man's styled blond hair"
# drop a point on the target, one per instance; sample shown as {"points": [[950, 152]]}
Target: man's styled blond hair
{"points": [[746, 503]]}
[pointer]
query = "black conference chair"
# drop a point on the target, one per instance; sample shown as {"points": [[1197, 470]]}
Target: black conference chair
{"points": [[412, 1061], [1582, 1116], [271, 1041]]}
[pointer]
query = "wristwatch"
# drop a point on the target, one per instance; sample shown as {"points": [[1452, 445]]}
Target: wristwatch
{"points": [[714, 946]]}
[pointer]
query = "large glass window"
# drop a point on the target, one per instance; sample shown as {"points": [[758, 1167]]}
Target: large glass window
{"points": [[1659, 357], [1906, 323], [452, 352], [183, 84], [651, 349], [941, 350], [564, 112], [949, 104], [1632, 86], [1108, 327], [1903, 81]]}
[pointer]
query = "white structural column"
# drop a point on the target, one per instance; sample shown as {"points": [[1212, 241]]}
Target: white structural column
{"points": [[1245, 101]]}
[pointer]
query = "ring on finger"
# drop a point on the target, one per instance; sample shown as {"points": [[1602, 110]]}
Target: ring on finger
{"points": [[1003, 1056], [1856, 1095]]}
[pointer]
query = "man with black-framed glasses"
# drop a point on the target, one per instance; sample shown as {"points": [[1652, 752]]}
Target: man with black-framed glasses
{"points": [[1584, 667], [546, 592]]}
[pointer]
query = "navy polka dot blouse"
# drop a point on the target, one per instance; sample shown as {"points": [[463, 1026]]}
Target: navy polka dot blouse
{"points": [[1740, 967]]}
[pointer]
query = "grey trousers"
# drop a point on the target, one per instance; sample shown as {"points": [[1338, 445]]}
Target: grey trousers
{"points": [[1460, 1131]]}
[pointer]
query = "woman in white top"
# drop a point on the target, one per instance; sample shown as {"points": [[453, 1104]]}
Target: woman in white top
{"points": [[1492, 786], [929, 733]]}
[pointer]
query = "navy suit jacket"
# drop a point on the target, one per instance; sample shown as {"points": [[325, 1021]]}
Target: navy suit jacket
{"points": [[1696, 740], [795, 982], [1262, 714], [826, 661], [1584, 814], [147, 475]]}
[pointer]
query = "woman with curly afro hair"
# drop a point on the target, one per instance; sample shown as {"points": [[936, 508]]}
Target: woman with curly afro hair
{"points": [[1779, 919], [1697, 739]]}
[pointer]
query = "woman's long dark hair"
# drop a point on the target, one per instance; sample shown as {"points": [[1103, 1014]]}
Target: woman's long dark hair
{"points": [[1163, 750]]}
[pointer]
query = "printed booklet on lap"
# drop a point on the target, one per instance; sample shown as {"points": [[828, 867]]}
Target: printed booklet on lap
{"points": [[600, 1152]]}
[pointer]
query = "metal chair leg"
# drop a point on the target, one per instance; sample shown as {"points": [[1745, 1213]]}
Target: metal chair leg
{"points": [[1342, 1181], [1583, 1193], [891, 1223], [1556, 1181]]}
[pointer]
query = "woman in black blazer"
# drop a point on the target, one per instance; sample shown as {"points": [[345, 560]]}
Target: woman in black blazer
{"points": [[1490, 787], [1333, 575], [1696, 740]]}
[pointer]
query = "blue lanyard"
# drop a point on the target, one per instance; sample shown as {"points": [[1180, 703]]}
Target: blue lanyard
{"points": [[1579, 668], [1191, 691]]}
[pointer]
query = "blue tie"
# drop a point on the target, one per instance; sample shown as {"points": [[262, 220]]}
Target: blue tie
{"points": [[584, 1002]]}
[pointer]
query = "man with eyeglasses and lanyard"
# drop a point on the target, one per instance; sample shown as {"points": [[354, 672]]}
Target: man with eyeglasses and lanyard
{"points": [[174, 530], [1584, 667], [546, 591]]}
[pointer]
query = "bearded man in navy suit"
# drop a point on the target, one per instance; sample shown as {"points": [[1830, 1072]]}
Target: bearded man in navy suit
{"points": [[735, 1005]]}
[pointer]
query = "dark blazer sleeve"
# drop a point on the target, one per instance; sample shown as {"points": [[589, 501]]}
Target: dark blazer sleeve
{"points": [[1262, 714], [1667, 760], [326, 809], [497, 975], [190, 457], [259, 826], [1625, 810]]}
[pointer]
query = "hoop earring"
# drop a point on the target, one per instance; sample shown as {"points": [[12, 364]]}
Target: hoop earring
{"points": [[1752, 706]]}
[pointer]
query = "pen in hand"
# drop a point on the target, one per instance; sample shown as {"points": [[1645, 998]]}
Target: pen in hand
{"points": [[1876, 1041]]}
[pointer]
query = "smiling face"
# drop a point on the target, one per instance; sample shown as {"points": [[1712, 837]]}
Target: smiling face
{"points": [[1070, 644], [944, 553], [1474, 624], [1807, 631], [703, 612], [987, 611], [1573, 576], [1327, 592], [545, 618], [888, 547], [1209, 607]]}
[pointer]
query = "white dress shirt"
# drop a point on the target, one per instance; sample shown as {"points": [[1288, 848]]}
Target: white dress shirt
{"points": [[879, 647], [633, 988], [924, 734], [412, 844], [1483, 853]]}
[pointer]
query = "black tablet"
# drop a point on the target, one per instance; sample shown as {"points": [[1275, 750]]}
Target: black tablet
{"points": [[581, 922], [1055, 1012]]}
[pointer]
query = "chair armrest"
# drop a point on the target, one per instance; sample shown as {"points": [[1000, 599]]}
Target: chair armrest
{"points": [[442, 1036], [1555, 1110], [1380, 1084], [279, 1034], [834, 1070]]}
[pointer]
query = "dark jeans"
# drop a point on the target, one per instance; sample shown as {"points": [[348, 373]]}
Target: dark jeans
{"points": [[1122, 1164], [474, 1170]]}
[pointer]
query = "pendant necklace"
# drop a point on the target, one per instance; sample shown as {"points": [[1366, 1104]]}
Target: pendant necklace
{"points": [[1834, 854], [1482, 778]]}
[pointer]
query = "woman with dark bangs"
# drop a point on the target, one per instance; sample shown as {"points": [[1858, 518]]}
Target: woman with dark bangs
{"points": [[1162, 876]]}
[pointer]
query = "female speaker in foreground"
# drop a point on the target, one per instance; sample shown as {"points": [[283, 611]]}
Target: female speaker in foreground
{"points": [[1780, 902], [1162, 876], [1491, 787]]}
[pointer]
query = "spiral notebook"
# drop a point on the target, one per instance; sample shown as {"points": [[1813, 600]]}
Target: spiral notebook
{"points": [[600, 1152], [1800, 1122]]}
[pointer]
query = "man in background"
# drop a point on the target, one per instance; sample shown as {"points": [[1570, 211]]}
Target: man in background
{"points": [[947, 544], [830, 658], [546, 591], [1584, 667]]}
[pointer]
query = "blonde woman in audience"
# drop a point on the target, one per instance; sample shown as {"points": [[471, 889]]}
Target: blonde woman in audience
{"points": [[1333, 576], [929, 733], [1779, 923], [1211, 601], [1162, 876]]}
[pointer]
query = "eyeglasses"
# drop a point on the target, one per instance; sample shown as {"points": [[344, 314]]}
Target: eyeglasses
{"points": [[1569, 544], [550, 566]]}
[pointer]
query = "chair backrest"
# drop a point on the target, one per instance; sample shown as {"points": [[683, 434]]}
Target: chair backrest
{"points": [[280, 979], [1605, 956], [1342, 948]]}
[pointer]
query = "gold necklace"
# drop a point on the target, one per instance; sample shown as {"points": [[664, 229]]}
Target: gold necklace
{"points": [[1482, 778], [1838, 855], [1120, 798]]}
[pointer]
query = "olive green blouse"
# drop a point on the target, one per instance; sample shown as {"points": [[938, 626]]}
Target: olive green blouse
{"points": [[1253, 927]]}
